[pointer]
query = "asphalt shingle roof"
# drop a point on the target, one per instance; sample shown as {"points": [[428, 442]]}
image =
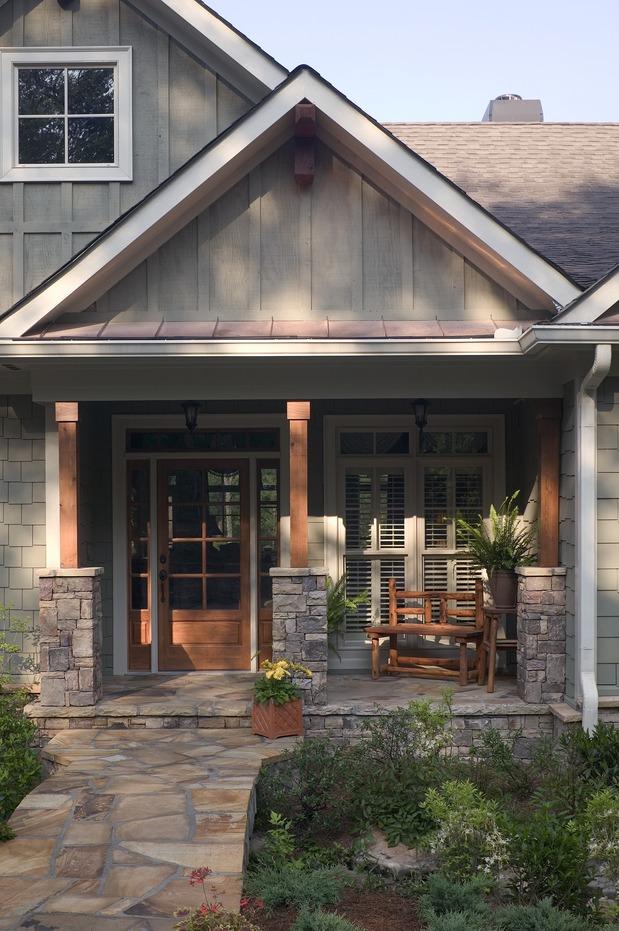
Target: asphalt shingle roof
{"points": [[554, 184]]}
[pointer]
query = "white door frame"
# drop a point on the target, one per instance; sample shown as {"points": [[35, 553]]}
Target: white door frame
{"points": [[121, 423]]}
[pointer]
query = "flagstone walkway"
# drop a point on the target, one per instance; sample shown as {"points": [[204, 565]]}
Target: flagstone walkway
{"points": [[109, 840]]}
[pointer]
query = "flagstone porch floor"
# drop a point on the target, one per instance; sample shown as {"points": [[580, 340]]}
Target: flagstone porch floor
{"points": [[229, 694], [109, 839]]}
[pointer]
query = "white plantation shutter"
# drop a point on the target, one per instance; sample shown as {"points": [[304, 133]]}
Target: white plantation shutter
{"points": [[449, 492], [375, 540]]}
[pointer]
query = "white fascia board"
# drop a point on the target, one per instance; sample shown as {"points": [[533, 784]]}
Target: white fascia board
{"points": [[251, 70], [595, 302], [32, 350], [203, 179], [567, 335]]}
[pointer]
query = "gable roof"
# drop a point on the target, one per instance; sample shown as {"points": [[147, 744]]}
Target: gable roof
{"points": [[555, 184], [343, 126], [596, 304], [252, 70]]}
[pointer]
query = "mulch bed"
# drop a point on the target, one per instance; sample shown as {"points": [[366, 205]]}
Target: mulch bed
{"points": [[372, 911]]}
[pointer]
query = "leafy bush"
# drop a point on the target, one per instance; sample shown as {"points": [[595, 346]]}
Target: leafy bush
{"points": [[468, 838], [549, 858], [290, 884], [279, 844], [311, 786], [441, 895], [339, 605], [20, 769], [602, 821], [419, 733], [457, 921], [598, 753], [216, 921], [322, 921], [496, 767], [397, 809], [543, 916]]}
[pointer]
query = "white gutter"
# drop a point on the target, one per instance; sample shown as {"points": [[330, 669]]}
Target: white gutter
{"points": [[586, 535]]}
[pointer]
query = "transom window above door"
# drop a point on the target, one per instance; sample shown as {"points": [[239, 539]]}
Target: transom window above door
{"points": [[66, 117]]}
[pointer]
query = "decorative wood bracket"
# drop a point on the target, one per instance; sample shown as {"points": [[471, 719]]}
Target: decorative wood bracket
{"points": [[305, 148]]}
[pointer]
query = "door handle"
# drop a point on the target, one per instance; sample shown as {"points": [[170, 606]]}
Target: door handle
{"points": [[163, 575]]}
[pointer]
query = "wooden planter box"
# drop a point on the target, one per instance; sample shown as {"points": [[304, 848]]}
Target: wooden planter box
{"points": [[272, 721]]}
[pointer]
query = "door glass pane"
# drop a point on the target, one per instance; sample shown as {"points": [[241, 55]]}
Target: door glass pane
{"points": [[186, 521], [223, 594], [186, 594], [185, 558], [436, 495], [223, 557], [391, 530], [139, 594], [185, 485]]}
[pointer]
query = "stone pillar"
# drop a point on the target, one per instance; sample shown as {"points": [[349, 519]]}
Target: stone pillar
{"points": [[300, 625], [541, 634], [71, 631]]}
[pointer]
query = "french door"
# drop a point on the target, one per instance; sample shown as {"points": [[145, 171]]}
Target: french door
{"points": [[202, 568]]}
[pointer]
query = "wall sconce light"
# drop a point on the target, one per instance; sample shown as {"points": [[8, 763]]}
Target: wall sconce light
{"points": [[420, 407], [191, 409]]}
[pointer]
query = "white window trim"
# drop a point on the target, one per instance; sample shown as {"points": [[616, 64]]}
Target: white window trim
{"points": [[117, 57], [121, 423]]}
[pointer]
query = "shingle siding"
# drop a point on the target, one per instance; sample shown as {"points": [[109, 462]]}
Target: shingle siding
{"points": [[608, 537], [22, 525]]}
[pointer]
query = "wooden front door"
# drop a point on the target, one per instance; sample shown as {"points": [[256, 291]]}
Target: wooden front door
{"points": [[203, 564]]}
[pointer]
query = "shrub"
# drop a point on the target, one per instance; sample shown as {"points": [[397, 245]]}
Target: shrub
{"points": [[290, 884], [322, 921], [598, 753], [602, 822], [468, 838], [441, 895], [420, 732], [279, 843], [457, 921], [311, 786], [398, 808], [216, 921], [549, 858], [20, 769], [543, 916], [496, 767]]}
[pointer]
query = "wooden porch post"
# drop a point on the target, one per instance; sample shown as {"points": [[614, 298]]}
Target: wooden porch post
{"points": [[67, 418], [549, 438], [298, 413]]}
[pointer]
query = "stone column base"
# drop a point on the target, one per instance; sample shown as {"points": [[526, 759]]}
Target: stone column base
{"points": [[70, 616], [541, 634], [300, 625]]}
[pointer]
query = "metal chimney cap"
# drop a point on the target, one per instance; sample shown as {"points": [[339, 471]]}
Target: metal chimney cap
{"points": [[511, 108]]}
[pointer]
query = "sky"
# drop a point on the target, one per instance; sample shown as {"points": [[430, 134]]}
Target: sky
{"points": [[432, 60]]}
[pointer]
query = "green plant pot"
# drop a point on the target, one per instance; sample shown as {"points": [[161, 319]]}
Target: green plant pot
{"points": [[503, 587]]}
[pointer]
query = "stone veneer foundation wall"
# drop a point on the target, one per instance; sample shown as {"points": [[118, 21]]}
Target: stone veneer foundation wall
{"points": [[71, 622], [300, 625], [22, 527], [541, 634]]}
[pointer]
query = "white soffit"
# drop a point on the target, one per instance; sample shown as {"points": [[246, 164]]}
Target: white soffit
{"points": [[177, 201]]}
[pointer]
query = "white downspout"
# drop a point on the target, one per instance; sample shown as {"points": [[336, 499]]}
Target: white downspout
{"points": [[586, 535]]}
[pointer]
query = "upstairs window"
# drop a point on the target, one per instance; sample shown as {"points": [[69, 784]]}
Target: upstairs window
{"points": [[66, 114]]}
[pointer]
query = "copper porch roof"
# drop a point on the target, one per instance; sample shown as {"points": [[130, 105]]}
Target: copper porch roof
{"points": [[323, 328], [555, 184]]}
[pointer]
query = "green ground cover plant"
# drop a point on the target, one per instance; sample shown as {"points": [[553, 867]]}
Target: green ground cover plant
{"points": [[20, 768], [514, 844]]}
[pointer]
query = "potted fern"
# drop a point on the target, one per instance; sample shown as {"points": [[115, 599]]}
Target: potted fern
{"points": [[278, 710], [499, 546]]}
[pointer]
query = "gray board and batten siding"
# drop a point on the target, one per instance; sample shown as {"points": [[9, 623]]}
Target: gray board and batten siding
{"points": [[339, 248], [179, 105], [608, 537]]}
